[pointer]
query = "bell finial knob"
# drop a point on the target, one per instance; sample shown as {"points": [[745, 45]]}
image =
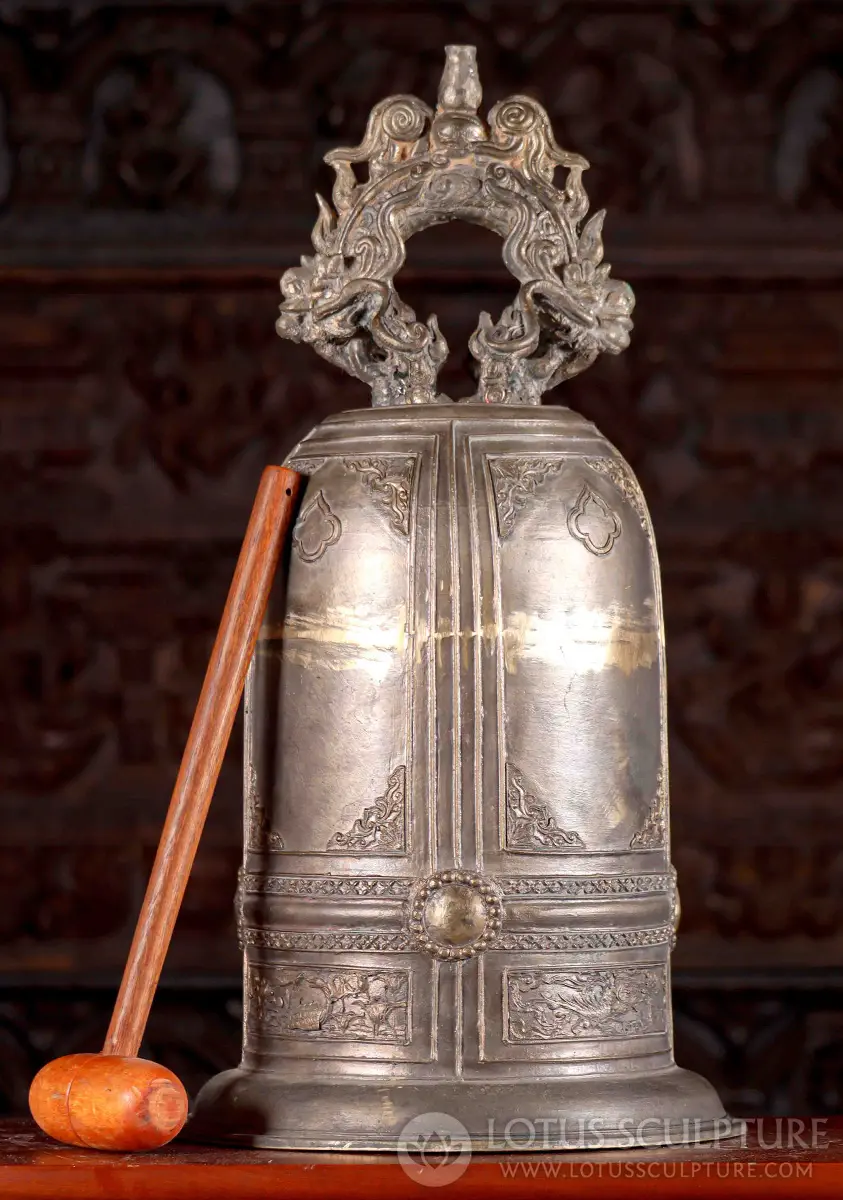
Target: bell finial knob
{"points": [[460, 90]]}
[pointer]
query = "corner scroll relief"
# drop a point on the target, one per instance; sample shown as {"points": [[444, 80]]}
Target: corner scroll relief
{"points": [[557, 1006], [259, 835], [391, 483], [616, 470], [593, 523], [329, 1003], [515, 481], [651, 835], [383, 827], [529, 827], [317, 528], [306, 466]]}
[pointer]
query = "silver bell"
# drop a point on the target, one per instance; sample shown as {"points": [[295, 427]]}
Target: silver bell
{"points": [[457, 895]]}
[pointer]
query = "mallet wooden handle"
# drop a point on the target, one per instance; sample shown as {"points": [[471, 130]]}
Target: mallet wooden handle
{"points": [[203, 755], [113, 1100]]}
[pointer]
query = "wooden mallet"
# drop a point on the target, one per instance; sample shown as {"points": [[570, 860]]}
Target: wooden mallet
{"points": [[114, 1100]]}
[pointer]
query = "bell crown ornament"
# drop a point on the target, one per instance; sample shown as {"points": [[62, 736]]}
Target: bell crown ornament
{"points": [[456, 895], [426, 167]]}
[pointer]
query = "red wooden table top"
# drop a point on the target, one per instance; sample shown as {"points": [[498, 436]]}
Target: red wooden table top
{"points": [[778, 1157]]}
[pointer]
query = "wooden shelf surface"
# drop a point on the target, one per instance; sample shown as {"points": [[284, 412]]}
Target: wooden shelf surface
{"points": [[34, 1168]]}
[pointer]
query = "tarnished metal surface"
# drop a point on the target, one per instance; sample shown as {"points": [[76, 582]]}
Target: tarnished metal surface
{"points": [[426, 167], [457, 893]]}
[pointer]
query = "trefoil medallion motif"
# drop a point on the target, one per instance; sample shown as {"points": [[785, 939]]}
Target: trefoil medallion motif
{"points": [[593, 523], [317, 528], [529, 827], [382, 829]]}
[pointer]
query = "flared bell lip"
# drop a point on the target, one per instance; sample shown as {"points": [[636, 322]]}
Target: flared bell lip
{"points": [[265, 1110]]}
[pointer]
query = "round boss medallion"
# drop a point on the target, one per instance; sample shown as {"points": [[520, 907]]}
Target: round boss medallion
{"points": [[454, 914]]}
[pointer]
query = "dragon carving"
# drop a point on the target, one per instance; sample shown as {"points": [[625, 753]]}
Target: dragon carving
{"points": [[426, 167]]}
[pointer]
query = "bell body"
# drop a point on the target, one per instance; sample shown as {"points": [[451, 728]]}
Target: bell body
{"points": [[457, 894]]}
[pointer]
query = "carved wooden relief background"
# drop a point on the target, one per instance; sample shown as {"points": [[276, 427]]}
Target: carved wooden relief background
{"points": [[157, 166]]}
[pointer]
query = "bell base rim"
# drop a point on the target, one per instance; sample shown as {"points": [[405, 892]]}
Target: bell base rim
{"points": [[265, 1110]]}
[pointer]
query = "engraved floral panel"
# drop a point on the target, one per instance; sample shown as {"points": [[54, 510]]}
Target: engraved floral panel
{"points": [[330, 1003], [557, 1006], [306, 466]]}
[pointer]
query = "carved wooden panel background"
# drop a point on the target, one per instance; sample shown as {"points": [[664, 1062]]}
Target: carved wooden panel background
{"points": [[157, 165]]}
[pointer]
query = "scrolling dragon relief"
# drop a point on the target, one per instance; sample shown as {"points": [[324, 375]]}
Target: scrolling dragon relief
{"points": [[457, 894], [426, 167]]}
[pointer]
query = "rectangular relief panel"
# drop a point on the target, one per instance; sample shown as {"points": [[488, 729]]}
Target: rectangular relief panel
{"points": [[573, 1008], [334, 772], [559, 1005], [359, 1008], [579, 658], [308, 1003]]}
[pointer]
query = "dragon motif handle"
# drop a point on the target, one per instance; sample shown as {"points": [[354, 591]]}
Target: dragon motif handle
{"points": [[427, 167]]}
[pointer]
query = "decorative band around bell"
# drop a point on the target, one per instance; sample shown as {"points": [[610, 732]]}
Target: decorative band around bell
{"points": [[400, 941], [455, 914], [399, 887]]}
